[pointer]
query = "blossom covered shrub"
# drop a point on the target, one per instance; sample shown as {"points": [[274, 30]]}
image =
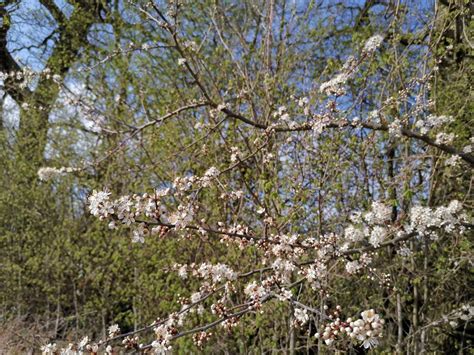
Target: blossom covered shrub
{"points": [[250, 181], [287, 260]]}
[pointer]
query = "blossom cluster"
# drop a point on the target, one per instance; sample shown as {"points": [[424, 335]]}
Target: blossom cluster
{"points": [[376, 224], [284, 117], [431, 122], [163, 334], [26, 76], [127, 209], [372, 224], [354, 266], [366, 330], [84, 345], [334, 86], [428, 222], [301, 316], [49, 173], [215, 273], [255, 291]]}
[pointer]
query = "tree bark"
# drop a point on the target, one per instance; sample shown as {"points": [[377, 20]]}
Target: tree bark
{"points": [[36, 105]]}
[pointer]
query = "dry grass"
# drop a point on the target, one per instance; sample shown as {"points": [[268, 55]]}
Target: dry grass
{"points": [[19, 336]]}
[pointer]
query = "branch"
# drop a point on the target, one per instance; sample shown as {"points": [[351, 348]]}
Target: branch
{"points": [[230, 234], [469, 158], [244, 275], [7, 63], [391, 242], [194, 74], [377, 127], [184, 310], [168, 115], [311, 309], [230, 316], [216, 322], [135, 131]]}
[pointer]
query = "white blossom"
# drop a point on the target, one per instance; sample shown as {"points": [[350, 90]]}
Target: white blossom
{"points": [[163, 337], [373, 43], [453, 160], [444, 138], [303, 101], [404, 251], [182, 272], [196, 297], [301, 315], [48, 173], [113, 330], [138, 234], [82, 344], [99, 204], [182, 217], [48, 348], [255, 291], [379, 214], [284, 295], [353, 267], [159, 347], [377, 236], [235, 154], [354, 234], [427, 221], [333, 85], [395, 129], [217, 273], [209, 175]]}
